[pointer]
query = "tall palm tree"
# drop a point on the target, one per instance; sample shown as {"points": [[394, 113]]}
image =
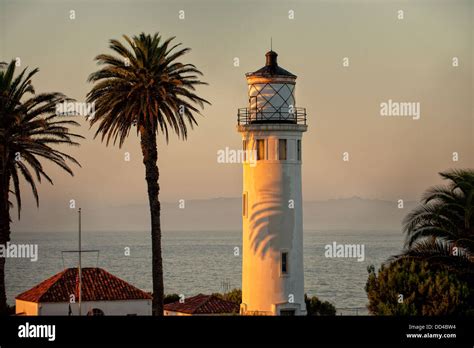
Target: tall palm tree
{"points": [[147, 88], [29, 128]]}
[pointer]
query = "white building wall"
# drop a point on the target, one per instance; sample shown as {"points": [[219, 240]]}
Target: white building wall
{"points": [[129, 307]]}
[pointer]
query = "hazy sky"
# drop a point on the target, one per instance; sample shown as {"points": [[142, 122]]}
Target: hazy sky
{"points": [[403, 60]]}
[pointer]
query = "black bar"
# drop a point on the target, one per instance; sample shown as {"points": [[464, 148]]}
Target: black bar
{"points": [[223, 330]]}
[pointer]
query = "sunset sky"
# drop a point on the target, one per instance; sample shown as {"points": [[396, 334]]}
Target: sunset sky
{"points": [[403, 60]]}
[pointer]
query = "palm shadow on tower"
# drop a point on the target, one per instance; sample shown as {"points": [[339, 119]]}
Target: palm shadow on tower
{"points": [[271, 217]]}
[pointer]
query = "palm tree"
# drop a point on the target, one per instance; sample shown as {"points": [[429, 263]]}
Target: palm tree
{"points": [[145, 87], [444, 223], [439, 248], [446, 212], [28, 130]]}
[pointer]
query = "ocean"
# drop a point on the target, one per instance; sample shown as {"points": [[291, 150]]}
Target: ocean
{"points": [[203, 261]]}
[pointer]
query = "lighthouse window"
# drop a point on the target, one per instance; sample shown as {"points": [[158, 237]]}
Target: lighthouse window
{"points": [[282, 149], [284, 262], [244, 147], [260, 149], [298, 148]]}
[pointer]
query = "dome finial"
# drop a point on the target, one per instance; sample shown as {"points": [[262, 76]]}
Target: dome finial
{"points": [[271, 58]]}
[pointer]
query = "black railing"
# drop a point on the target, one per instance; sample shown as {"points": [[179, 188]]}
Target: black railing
{"points": [[255, 116]]}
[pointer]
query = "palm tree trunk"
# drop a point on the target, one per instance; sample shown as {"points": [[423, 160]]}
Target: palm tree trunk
{"points": [[3, 294], [150, 157], [4, 235]]}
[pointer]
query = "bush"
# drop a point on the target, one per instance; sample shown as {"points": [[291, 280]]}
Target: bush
{"points": [[235, 295], [170, 298], [318, 308], [415, 287]]}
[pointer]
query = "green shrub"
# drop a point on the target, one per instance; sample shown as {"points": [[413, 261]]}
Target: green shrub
{"points": [[415, 287], [318, 308], [235, 295], [170, 298]]}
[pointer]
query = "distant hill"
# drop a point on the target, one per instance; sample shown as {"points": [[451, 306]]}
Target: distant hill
{"points": [[355, 213], [217, 214]]}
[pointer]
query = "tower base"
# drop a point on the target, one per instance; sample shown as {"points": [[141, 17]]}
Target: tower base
{"points": [[280, 309]]}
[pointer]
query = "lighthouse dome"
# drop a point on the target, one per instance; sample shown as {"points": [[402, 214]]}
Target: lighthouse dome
{"points": [[271, 68]]}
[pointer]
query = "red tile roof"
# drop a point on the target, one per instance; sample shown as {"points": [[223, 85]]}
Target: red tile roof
{"points": [[97, 285], [203, 304]]}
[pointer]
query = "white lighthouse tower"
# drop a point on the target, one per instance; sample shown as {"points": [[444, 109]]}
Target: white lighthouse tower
{"points": [[272, 126]]}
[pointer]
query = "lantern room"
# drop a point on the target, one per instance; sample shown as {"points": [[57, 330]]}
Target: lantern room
{"points": [[271, 92]]}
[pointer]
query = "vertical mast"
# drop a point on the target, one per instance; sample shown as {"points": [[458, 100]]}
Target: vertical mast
{"points": [[79, 269]]}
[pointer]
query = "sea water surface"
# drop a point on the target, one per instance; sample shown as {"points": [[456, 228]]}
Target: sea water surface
{"points": [[203, 261]]}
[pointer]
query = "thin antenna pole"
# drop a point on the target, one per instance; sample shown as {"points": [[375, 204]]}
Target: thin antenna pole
{"points": [[271, 44], [80, 260]]}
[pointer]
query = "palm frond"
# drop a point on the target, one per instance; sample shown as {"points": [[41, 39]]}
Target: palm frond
{"points": [[153, 91], [29, 127], [440, 252], [445, 212]]}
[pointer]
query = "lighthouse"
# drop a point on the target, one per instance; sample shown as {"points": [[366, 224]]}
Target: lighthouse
{"points": [[272, 212]]}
